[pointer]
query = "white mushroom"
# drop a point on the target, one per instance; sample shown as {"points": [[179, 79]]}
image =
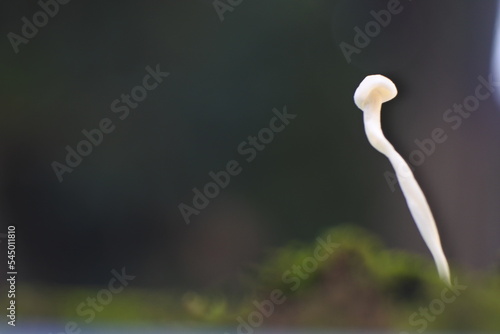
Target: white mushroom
{"points": [[369, 96]]}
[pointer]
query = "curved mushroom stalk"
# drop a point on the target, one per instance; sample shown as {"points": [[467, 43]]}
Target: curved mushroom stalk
{"points": [[369, 96]]}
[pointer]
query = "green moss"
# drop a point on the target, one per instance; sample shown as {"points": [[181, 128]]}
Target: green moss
{"points": [[361, 284]]}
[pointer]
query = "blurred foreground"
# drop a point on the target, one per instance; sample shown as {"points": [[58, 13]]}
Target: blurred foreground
{"points": [[345, 279]]}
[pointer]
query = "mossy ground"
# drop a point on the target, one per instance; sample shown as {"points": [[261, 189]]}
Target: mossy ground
{"points": [[360, 284]]}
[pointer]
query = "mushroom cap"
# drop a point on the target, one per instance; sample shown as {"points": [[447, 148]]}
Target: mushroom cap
{"points": [[374, 87]]}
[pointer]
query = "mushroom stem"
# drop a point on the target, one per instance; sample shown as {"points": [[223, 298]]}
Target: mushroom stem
{"points": [[369, 96]]}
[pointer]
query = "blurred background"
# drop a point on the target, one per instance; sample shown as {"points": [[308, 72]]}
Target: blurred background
{"points": [[230, 66]]}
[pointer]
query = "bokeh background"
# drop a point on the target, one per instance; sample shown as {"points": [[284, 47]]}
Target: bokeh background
{"points": [[119, 207]]}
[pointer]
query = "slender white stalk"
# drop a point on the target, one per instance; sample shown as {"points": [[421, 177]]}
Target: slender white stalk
{"points": [[369, 96]]}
